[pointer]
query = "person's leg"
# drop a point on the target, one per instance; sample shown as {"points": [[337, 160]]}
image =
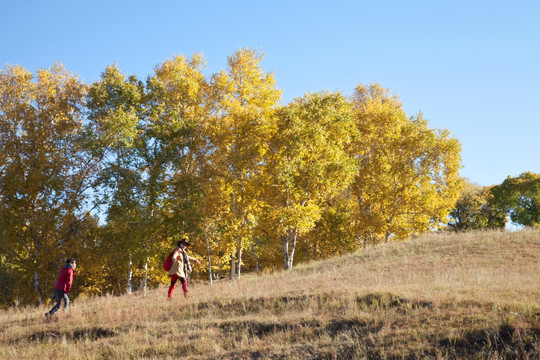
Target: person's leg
{"points": [[171, 288], [66, 302], [59, 296], [184, 286]]}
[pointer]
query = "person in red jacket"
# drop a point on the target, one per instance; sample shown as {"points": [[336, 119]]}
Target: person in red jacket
{"points": [[63, 286]]}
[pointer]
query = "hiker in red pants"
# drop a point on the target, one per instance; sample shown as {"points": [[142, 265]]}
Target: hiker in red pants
{"points": [[180, 267]]}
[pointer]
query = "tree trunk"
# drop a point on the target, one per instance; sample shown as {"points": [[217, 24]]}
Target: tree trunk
{"points": [[37, 280], [254, 252], [147, 260], [388, 233], [209, 260], [288, 243], [37, 287], [293, 248], [130, 276], [145, 277], [239, 258], [285, 249], [233, 267], [362, 241]]}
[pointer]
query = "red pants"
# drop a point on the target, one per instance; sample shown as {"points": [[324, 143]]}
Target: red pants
{"points": [[174, 278]]}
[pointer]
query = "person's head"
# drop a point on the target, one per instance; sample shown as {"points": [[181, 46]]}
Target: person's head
{"points": [[183, 243], [71, 262]]}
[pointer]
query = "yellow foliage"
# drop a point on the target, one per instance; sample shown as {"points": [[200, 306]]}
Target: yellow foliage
{"points": [[408, 174]]}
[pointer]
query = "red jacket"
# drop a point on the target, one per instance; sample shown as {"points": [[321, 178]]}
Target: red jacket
{"points": [[65, 279]]}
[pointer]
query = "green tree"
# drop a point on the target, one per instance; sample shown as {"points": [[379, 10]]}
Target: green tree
{"points": [[520, 198], [173, 148], [473, 209], [114, 110]]}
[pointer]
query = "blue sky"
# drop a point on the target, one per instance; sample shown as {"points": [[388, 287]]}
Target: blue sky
{"points": [[470, 66]]}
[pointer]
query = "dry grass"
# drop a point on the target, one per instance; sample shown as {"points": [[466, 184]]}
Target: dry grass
{"points": [[441, 296]]}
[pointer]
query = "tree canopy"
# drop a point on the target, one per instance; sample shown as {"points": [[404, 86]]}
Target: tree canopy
{"points": [[113, 172]]}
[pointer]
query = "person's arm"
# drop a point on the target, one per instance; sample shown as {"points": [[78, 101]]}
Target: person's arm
{"points": [[176, 255], [194, 259], [69, 281]]}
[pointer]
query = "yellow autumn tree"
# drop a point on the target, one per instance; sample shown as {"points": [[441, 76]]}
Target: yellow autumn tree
{"points": [[308, 165], [408, 178], [333, 233], [174, 151], [44, 174], [243, 100]]}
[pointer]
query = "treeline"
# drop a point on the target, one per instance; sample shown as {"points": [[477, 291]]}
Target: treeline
{"points": [[490, 207], [111, 173]]}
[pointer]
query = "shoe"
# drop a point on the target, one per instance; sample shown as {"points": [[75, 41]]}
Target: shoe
{"points": [[47, 316]]}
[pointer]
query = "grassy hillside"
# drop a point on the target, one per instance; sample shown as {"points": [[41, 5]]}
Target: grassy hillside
{"points": [[439, 296]]}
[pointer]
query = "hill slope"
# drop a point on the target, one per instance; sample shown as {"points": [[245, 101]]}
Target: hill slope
{"points": [[440, 296]]}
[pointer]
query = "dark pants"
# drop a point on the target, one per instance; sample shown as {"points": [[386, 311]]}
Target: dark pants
{"points": [[59, 296]]}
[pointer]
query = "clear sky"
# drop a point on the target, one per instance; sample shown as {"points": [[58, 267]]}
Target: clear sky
{"points": [[470, 66]]}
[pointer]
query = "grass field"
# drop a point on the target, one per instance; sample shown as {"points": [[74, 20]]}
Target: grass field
{"points": [[444, 296]]}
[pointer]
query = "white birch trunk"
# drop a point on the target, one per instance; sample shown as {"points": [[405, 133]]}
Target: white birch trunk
{"points": [[285, 249], [288, 247], [145, 277], [239, 258], [130, 276], [209, 261]]}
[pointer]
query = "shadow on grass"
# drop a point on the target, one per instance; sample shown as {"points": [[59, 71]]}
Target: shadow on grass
{"points": [[388, 300], [305, 329], [90, 333], [505, 341]]}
